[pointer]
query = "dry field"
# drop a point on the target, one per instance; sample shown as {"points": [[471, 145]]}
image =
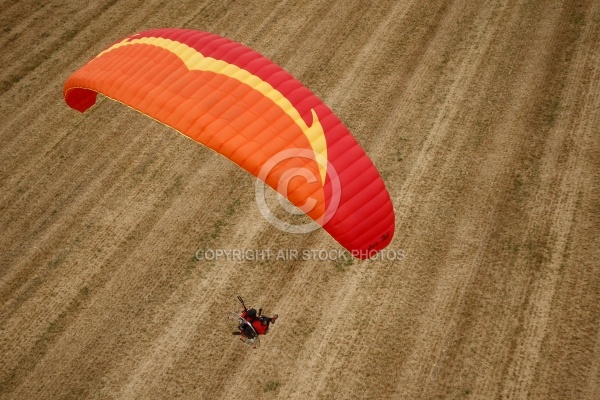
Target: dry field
{"points": [[483, 118]]}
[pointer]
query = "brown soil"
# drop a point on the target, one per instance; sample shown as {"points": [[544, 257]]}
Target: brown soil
{"points": [[480, 116]]}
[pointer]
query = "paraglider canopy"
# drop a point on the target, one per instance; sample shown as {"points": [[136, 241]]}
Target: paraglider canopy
{"points": [[237, 102]]}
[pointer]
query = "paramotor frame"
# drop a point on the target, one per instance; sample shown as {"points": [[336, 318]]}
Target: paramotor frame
{"points": [[248, 334]]}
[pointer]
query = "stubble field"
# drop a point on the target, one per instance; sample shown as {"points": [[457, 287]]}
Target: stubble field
{"points": [[483, 118]]}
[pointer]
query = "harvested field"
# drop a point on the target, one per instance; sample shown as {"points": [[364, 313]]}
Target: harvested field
{"points": [[480, 116]]}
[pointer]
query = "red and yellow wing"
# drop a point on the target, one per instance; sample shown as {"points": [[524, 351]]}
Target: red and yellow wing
{"points": [[233, 100]]}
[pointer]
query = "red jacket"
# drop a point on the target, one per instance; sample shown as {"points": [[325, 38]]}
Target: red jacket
{"points": [[260, 327], [246, 317]]}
